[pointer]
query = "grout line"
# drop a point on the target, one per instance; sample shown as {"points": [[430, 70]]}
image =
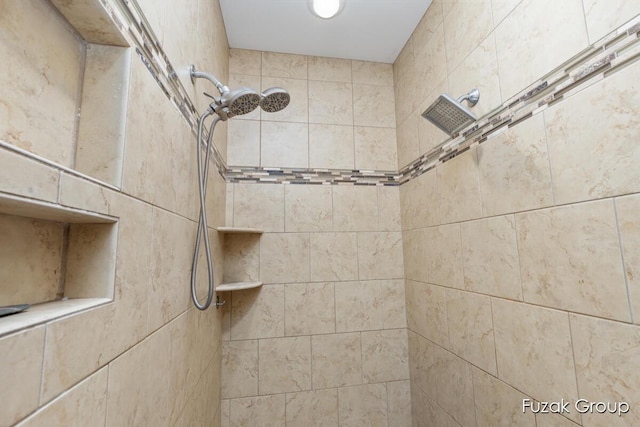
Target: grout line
{"points": [[622, 258], [573, 358]]}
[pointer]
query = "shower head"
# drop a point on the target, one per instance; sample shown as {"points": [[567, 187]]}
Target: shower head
{"points": [[242, 100], [449, 114], [274, 99]]}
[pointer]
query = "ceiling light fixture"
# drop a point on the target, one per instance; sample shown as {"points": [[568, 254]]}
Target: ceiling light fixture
{"points": [[326, 9]]}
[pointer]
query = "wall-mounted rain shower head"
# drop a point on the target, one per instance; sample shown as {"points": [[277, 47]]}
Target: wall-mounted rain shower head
{"points": [[275, 99], [242, 100], [449, 114]]}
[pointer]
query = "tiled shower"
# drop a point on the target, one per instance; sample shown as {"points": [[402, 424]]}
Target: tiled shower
{"points": [[406, 282]]}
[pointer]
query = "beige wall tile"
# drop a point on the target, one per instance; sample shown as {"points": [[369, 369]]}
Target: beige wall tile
{"points": [[258, 313], [333, 256], [460, 37], [605, 16], [239, 369], [284, 65], [389, 218], [553, 420], [533, 350], [24, 177], [372, 73], [298, 109], [225, 407], [331, 146], [490, 257], [309, 308], [498, 404], [471, 328], [429, 24], [284, 145], [375, 148], [607, 355], [514, 170], [262, 411], [407, 140], [336, 360], [380, 255], [419, 202], [427, 412], [429, 72], [523, 60], [373, 106], [444, 255], [244, 143], [405, 79], [605, 163], [355, 208], [454, 386], [399, 403], [423, 364], [241, 258], [393, 304], [284, 365], [358, 306], [21, 363], [629, 226], [570, 259], [414, 249], [244, 61], [427, 311], [330, 103], [329, 69], [385, 356], [317, 408], [265, 199], [308, 208], [363, 405], [284, 257], [501, 8], [459, 188], [251, 81]]}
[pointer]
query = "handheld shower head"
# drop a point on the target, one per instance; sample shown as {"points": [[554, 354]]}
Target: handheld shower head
{"points": [[274, 99], [242, 100]]}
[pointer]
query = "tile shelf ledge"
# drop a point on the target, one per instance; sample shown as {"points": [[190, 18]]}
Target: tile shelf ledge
{"points": [[237, 286], [239, 230]]}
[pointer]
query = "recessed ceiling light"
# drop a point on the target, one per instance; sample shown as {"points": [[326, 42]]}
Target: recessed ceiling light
{"points": [[326, 9]]}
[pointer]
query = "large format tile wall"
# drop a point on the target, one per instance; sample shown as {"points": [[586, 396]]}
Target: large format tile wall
{"points": [[324, 341], [521, 254], [148, 358]]}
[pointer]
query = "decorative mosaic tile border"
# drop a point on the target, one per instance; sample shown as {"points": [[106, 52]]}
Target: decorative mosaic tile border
{"points": [[612, 53]]}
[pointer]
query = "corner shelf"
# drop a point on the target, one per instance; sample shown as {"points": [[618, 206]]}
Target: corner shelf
{"points": [[237, 286], [238, 230]]}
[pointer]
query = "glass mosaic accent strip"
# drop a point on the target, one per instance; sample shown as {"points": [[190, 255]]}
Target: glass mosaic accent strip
{"points": [[312, 176]]}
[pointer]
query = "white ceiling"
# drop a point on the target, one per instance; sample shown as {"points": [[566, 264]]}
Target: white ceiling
{"points": [[368, 30]]}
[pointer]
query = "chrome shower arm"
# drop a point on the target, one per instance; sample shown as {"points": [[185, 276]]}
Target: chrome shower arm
{"points": [[201, 74], [472, 97]]}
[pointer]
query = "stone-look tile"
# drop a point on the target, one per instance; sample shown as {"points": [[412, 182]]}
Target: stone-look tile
{"points": [[415, 252], [329, 69], [462, 39], [244, 61], [284, 258], [498, 404], [284, 365], [419, 200], [605, 16], [405, 80], [259, 206], [427, 311], [358, 306], [30, 260], [251, 81], [523, 60], [443, 255], [284, 145], [429, 72], [225, 407], [262, 411], [380, 255], [308, 208], [258, 313], [454, 387], [459, 188], [239, 369], [333, 256], [393, 304], [629, 225], [407, 140], [336, 360], [355, 208], [228, 202], [83, 194], [385, 356], [375, 148], [309, 308], [605, 163], [429, 135], [533, 350], [317, 408], [331, 146], [84, 404], [24, 177], [363, 405], [21, 363], [553, 420], [570, 259], [330, 103], [471, 328], [423, 363], [243, 138], [501, 8], [241, 258], [428, 25], [427, 413], [607, 355], [399, 403], [372, 73], [514, 170], [298, 109], [41, 84], [490, 257], [373, 106], [389, 217], [284, 65]]}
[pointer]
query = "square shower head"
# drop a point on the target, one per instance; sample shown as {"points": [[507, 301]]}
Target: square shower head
{"points": [[448, 114]]}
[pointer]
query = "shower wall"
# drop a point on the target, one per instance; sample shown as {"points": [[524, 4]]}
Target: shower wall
{"points": [[521, 254], [324, 340], [148, 358]]}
